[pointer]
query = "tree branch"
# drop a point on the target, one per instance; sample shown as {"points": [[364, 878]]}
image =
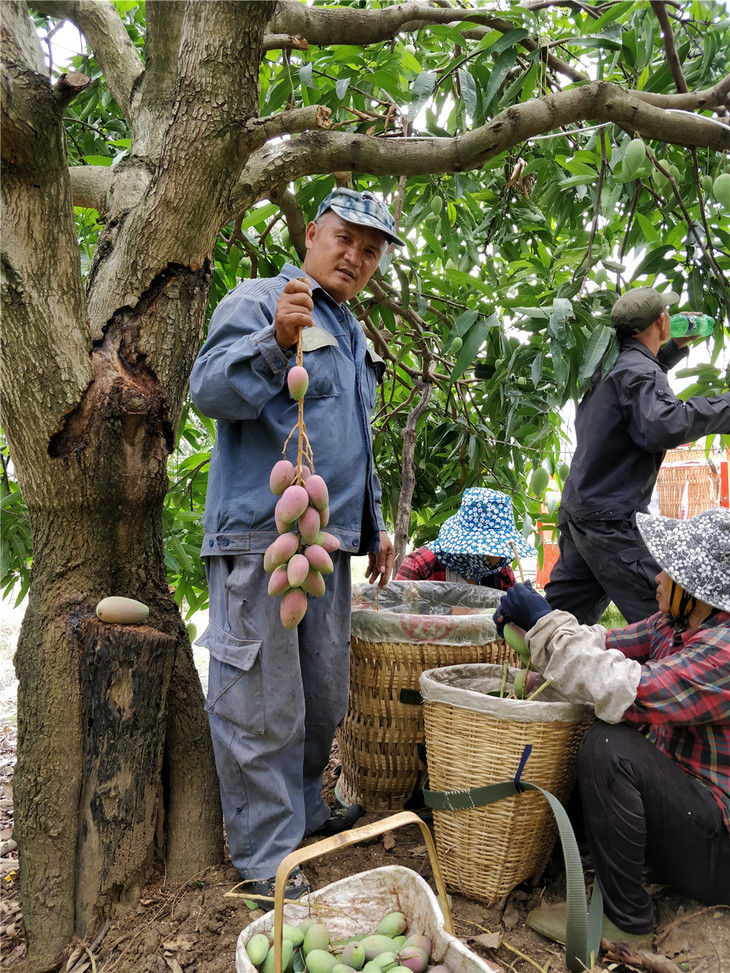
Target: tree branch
{"points": [[672, 60], [258, 131], [90, 185], [349, 25], [408, 474], [283, 42], [68, 86], [102, 27], [316, 152], [289, 205], [157, 87]]}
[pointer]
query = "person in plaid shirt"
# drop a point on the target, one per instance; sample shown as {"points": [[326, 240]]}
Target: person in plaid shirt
{"points": [[654, 770], [476, 545]]}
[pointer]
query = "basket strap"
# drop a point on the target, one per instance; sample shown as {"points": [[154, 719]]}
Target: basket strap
{"points": [[583, 928]]}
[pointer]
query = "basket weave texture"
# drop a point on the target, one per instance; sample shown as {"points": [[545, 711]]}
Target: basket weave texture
{"points": [[380, 737], [487, 851], [688, 468]]}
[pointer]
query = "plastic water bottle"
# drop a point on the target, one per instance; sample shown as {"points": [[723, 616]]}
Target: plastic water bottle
{"points": [[690, 324]]}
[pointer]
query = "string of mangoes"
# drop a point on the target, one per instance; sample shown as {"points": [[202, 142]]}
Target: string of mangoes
{"points": [[309, 947], [299, 558]]}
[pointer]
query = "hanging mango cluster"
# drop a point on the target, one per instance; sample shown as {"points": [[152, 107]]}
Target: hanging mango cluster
{"points": [[299, 558]]}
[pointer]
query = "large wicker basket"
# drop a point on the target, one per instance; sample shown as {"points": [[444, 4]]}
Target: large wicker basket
{"points": [[381, 739], [686, 479], [474, 739]]}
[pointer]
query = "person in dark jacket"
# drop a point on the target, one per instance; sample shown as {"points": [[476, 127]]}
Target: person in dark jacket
{"points": [[624, 425]]}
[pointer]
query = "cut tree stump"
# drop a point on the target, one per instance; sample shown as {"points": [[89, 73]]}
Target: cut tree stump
{"points": [[125, 673]]}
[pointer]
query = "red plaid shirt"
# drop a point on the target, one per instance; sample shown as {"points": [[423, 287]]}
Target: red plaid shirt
{"points": [[423, 565], [684, 695]]}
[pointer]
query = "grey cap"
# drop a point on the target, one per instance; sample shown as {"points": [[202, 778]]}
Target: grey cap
{"points": [[364, 209], [635, 310]]}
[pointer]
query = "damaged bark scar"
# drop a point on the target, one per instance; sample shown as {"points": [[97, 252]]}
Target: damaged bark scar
{"points": [[124, 405]]}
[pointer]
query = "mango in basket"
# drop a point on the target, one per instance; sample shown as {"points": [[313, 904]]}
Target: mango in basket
{"points": [[317, 936], [320, 961], [386, 960], [295, 934], [376, 944], [423, 942], [525, 682], [353, 954], [257, 947], [392, 925], [287, 951], [413, 958]]}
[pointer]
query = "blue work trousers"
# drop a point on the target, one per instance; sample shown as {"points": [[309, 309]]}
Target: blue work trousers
{"points": [[275, 698]]}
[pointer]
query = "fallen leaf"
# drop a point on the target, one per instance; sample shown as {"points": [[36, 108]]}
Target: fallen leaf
{"points": [[510, 917], [489, 940], [388, 841]]}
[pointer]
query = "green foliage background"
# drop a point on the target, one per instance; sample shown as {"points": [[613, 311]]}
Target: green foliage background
{"points": [[521, 260]]}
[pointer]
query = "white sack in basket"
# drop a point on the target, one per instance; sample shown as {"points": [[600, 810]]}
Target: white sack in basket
{"points": [[421, 611], [355, 905], [467, 687]]}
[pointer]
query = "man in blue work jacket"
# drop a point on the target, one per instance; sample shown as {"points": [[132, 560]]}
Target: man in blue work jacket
{"points": [[275, 696], [624, 424]]}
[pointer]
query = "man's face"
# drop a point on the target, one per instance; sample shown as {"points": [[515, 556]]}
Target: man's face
{"points": [[342, 256]]}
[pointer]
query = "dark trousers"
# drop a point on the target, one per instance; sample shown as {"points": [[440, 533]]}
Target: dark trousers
{"points": [[640, 808], [602, 561]]}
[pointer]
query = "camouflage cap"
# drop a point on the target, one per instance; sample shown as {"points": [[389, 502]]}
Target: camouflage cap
{"points": [[635, 310], [364, 209]]}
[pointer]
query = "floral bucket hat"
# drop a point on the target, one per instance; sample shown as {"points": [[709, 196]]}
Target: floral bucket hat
{"points": [[483, 526], [695, 553]]}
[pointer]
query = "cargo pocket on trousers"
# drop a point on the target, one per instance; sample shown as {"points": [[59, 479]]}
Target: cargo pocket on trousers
{"points": [[235, 682], [637, 558]]}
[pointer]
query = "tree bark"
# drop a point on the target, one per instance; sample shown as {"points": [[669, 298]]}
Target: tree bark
{"points": [[125, 672]]}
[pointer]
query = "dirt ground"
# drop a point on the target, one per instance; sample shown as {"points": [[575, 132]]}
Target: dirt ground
{"points": [[193, 928]]}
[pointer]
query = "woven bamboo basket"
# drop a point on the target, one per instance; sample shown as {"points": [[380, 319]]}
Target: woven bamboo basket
{"points": [[381, 738], [700, 480], [487, 851]]}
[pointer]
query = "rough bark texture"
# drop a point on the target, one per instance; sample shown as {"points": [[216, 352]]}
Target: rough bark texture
{"points": [[125, 672]]}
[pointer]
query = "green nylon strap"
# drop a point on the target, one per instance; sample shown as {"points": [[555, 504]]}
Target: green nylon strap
{"points": [[583, 931]]}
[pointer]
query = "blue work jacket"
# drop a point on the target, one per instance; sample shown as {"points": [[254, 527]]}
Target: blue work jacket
{"points": [[239, 378]]}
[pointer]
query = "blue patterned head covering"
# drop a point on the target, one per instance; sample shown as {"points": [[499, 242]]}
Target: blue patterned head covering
{"points": [[695, 553], [483, 526]]}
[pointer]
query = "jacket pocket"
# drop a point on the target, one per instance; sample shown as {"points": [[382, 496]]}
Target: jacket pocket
{"points": [[235, 682]]}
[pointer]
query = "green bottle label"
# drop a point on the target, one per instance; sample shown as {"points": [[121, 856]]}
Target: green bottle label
{"points": [[691, 325]]}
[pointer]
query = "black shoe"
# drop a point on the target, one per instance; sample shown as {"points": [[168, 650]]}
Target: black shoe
{"points": [[262, 890], [341, 819]]}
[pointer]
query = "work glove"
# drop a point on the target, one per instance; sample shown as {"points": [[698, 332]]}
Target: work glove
{"points": [[521, 605]]}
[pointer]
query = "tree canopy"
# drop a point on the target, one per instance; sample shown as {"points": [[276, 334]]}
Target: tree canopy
{"points": [[509, 124], [540, 157]]}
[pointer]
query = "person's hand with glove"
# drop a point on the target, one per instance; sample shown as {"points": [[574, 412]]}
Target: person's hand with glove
{"points": [[521, 605]]}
